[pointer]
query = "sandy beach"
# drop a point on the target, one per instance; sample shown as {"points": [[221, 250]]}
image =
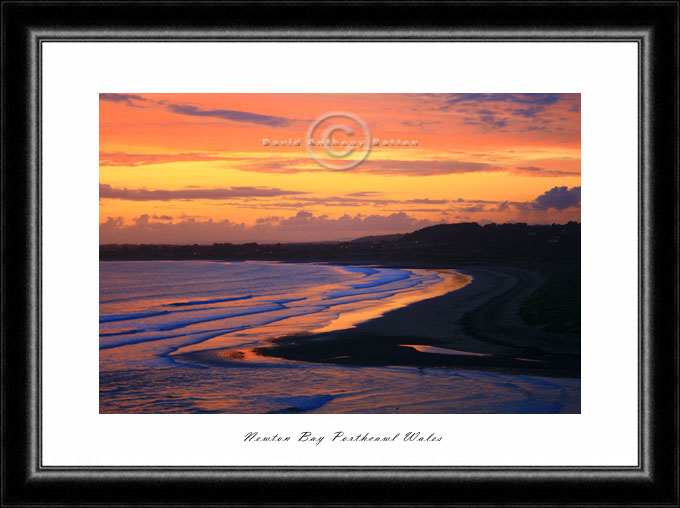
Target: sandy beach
{"points": [[476, 327]]}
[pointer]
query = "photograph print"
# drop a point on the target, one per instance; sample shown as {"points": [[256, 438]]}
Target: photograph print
{"points": [[339, 253]]}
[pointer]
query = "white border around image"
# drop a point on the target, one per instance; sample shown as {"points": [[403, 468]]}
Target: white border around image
{"points": [[606, 74]]}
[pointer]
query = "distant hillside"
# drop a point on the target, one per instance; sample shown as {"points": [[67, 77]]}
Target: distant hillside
{"points": [[378, 238], [446, 243], [492, 240]]}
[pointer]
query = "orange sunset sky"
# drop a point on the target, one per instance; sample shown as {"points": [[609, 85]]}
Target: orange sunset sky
{"points": [[192, 168]]}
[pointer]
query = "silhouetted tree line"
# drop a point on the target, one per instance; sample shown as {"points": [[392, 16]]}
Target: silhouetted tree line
{"points": [[469, 242]]}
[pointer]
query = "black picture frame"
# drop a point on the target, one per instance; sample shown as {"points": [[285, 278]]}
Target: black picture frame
{"points": [[653, 25]]}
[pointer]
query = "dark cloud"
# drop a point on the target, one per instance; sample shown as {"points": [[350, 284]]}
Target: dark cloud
{"points": [[530, 112], [535, 128], [364, 194], [560, 198], [125, 98], [106, 191], [423, 167], [266, 220], [304, 215], [492, 121], [486, 119], [482, 201], [420, 125], [427, 201], [504, 206], [503, 111], [557, 198], [232, 115], [413, 210], [535, 99], [471, 209], [542, 172]]}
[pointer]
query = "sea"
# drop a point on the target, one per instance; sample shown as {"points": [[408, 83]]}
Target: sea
{"points": [[153, 313]]}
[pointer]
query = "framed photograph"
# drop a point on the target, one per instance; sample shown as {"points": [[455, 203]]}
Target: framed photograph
{"points": [[293, 253]]}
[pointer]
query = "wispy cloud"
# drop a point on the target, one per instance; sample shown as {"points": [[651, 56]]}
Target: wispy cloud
{"points": [[307, 225], [505, 112], [304, 226], [107, 191], [398, 167], [132, 100], [427, 201], [125, 98], [145, 159], [421, 125], [228, 114], [535, 99], [377, 166], [538, 171]]}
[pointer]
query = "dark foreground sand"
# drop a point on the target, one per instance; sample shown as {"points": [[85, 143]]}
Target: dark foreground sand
{"points": [[480, 318]]}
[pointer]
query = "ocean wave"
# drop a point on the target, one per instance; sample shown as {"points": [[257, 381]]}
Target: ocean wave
{"points": [[359, 269], [285, 291], [346, 293], [385, 276], [175, 325], [126, 317], [215, 300], [191, 337], [113, 318]]}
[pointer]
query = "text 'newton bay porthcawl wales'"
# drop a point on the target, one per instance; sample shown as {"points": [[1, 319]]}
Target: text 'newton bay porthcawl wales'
{"points": [[342, 437]]}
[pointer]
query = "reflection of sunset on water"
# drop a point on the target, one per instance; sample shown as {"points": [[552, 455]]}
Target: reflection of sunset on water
{"points": [[179, 337]]}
